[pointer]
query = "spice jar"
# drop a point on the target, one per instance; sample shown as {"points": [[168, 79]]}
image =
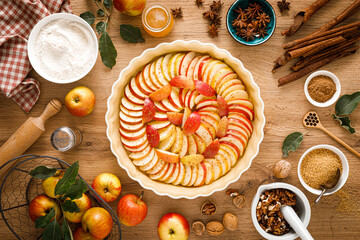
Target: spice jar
{"points": [[157, 20], [65, 138]]}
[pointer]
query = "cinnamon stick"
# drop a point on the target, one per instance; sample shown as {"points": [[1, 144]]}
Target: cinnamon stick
{"points": [[348, 12], [279, 62], [303, 16], [296, 75]]}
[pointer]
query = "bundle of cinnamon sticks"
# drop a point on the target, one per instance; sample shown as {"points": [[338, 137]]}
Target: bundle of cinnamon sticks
{"points": [[325, 45]]}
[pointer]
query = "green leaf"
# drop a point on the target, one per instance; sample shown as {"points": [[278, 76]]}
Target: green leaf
{"points": [[88, 17], [100, 13], [52, 231], [347, 104], [292, 142], [67, 234], [107, 3], [43, 221], [345, 123], [70, 206], [42, 172], [77, 189], [131, 34], [107, 50], [69, 178], [101, 27]]}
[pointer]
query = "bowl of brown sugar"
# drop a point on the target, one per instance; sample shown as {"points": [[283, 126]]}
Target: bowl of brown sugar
{"points": [[319, 164], [322, 88]]}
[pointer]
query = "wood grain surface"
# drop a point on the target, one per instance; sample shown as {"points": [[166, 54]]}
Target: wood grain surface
{"points": [[284, 109]]}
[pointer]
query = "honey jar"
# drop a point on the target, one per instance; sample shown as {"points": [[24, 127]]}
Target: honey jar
{"points": [[157, 20]]}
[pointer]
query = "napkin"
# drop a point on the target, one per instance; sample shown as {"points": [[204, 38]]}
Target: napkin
{"points": [[17, 19]]}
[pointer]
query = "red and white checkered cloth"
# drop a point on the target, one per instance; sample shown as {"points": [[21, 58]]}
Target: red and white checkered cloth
{"points": [[17, 19]]}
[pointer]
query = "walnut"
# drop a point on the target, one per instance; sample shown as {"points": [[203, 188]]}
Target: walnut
{"points": [[232, 192], [239, 201], [282, 169], [208, 208], [230, 221], [215, 228], [198, 228]]}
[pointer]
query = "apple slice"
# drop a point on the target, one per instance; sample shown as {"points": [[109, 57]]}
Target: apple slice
{"points": [[156, 168], [149, 110], [175, 118], [187, 97], [187, 113], [222, 106], [185, 62], [167, 143], [242, 119], [192, 123], [176, 147], [233, 82], [161, 173], [181, 176], [182, 82], [164, 66], [150, 164], [241, 101], [209, 108], [194, 174], [199, 143], [204, 88], [174, 98], [141, 85], [220, 75], [205, 134], [167, 132], [137, 148], [202, 67], [231, 152], [222, 127], [131, 97], [178, 62], [224, 79], [161, 93], [152, 76], [216, 166], [225, 167], [169, 172], [184, 147], [201, 175], [159, 124], [209, 172], [211, 150], [132, 135], [131, 127], [192, 159], [182, 95], [144, 160], [160, 107], [240, 129], [130, 106], [206, 103], [202, 60], [169, 106], [232, 88], [146, 78], [130, 113], [175, 173], [226, 156], [208, 68], [135, 89], [213, 70], [166, 156], [210, 121], [236, 94], [152, 135], [140, 155], [160, 116], [238, 142], [133, 144], [188, 175], [231, 145], [239, 135], [171, 65], [242, 109], [211, 129], [192, 145], [200, 98], [128, 119], [159, 73], [211, 114], [191, 100], [192, 65]]}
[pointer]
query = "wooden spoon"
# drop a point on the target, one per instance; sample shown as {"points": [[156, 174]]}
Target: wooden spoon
{"points": [[329, 185], [312, 120]]}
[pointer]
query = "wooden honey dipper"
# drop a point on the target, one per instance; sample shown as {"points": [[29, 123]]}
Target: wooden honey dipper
{"points": [[312, 120], [26, 135]]}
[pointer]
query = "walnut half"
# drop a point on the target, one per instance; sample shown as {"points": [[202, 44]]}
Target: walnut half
{"points": [[215, 228], [198, 228]]}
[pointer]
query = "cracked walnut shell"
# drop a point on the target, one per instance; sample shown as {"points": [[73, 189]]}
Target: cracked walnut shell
{"points": [[215, 228], [198, 228], [208, 208], [230, 221], [282, 169]]}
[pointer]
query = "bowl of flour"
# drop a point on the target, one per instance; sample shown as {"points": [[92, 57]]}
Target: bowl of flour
{"points": [[62, 48]]}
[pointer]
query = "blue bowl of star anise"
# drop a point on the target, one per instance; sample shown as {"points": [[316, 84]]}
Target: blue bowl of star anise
{"points": [[251, 22]]}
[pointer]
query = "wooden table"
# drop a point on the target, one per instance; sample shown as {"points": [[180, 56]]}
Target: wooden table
{"points": [[284, 109]]}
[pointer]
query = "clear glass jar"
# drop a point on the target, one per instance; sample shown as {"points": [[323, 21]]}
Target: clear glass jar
{"points": [[65, 138], [157, 20]]}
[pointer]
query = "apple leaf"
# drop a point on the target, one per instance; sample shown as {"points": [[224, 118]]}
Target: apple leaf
{"points": [[347, 104], [292, 142], [107, 50], [100, 13], [88, 17], [345, 123], [67, 234], [42, 172], [70, 206], [43, 221], [69, 178], [52, 231], [76, 190], [131, 34], [107, 3], [101, 27]]}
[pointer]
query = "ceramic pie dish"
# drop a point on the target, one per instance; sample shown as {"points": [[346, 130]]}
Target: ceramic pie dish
{"points": [[114, 120]]}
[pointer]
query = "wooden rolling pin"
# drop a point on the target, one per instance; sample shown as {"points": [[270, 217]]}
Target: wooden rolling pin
{"points": [[26, 135]]}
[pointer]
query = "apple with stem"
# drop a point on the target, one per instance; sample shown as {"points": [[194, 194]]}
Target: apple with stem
{"points": [[131, 209], [173, 226], [41, 206], [98, 222], [108, 186], [80, 101]]}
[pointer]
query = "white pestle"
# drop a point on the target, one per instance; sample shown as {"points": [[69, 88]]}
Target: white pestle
{"points": [[294, 221]]}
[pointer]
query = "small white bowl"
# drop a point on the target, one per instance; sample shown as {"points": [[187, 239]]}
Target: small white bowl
{"points": [[344, 172], [32, 39], [334, 97], [302, 204]]}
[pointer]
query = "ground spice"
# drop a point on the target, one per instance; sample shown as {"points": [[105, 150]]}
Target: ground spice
{"points": [[349, 203], [321, 88], [319, 166]]}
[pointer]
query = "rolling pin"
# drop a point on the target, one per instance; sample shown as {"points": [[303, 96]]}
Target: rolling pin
{"points": [[26, 135]]}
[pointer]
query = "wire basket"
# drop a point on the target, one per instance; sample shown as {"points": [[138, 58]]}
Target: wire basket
{"points": [[19, 188]]}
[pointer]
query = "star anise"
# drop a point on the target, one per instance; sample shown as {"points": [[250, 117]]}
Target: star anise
{"points": [[256, 9], [263, 19], [210, 15], [177, 12], [262, 32], [248, 34], [216, 6], [199, 2], [242, 15], [213, 30], [254, 25], [239, 23], [216, 21], [283, 5]]}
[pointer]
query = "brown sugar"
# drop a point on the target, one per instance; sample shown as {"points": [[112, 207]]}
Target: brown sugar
{"points": [[321, 88], [319, 166]]}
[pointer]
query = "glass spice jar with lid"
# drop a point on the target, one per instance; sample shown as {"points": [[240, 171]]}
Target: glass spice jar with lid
{"points": [[65, 138]]}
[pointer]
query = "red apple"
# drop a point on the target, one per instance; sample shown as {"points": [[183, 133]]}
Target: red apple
{"points": [[130, 7], [131, 209], [83, 203], [108, 186], [173, 226], [49, 184], [98, 222], [80, 234], [80, 101], [41, 206]]}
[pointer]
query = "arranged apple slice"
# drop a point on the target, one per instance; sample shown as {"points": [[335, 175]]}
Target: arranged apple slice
{"points": [[230, 145], [211, 114], [132, 135], [161, 173], [152, 76], [242, 119], [209, 108], [161, 93], [188, 175], [200, 180], [200, 98], [131, 127], [182, 81], [205, 134], [240, 129], [166, 132], [191, 100], [225, 71], [225, 79], [160, 107], [159, 124], [185, 62], [135, 90], [131, 97], [152, 135], [128, 119], [175, 118], [202, 60], [226, 156], [236, 94], [216, 166], [144, 160], [222, 106], [211, 129], [169, 172], [167, 143], [187, 113], [178, 62], [232, 88], [192, 65], [130, 106], [238, 142], [242, 109], [149, 110], [206, 103], [165, 66], [192, 159], [160, 116], [159, 73], [231, 153], [140, 155], [146, 78], [212, 70], [172, 178], [176, 147], [136, 149], [211, 150], [169, 106], [171, 65], [181, 175], [209, 172], [225, 167], [238, 134], [131, 144], [210, 121], [174, 98], [222, 127], [199, 143], [151, 164], [192, 145], [139, 80], [130, 113], [166, 156], [182, 95], [192, 123], [230, 83], [160, 164], [204, 88], [201, 68], [194, 174]]}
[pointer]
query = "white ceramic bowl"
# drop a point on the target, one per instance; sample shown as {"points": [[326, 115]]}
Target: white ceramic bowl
{"points": [[32, 39], [334, 97], [112, 120], [344, 173], [302, 204]]}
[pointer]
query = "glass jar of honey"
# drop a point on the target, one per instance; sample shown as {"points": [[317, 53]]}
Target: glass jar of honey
{"points": [[157, 20]]}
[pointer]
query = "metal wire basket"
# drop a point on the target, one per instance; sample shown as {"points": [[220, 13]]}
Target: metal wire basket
{"points": [[19, 188]]}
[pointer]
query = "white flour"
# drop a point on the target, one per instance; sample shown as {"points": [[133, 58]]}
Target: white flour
{"points": [[63, 49]]}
